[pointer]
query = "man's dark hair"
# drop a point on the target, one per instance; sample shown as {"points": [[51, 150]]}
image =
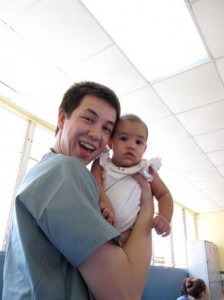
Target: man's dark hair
{"points": [[75, 94]]}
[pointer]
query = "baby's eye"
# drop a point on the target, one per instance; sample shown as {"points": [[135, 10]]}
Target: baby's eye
{"points": [[139, 142]]}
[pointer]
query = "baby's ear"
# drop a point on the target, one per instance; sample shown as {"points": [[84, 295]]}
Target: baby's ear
{"points": [[110, 144]]}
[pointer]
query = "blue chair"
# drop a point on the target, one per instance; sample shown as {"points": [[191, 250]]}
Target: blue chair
{"points": [[163, 283]]}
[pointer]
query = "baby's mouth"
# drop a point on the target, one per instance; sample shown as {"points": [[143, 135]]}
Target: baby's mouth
{"points": [[129, 154]]}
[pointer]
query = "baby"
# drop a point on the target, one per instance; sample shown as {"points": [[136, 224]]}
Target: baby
{"points": [[117, 185]]}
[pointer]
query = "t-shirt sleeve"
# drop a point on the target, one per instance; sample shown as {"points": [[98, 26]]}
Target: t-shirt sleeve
{"points": [[64, 203], [155, 163]]}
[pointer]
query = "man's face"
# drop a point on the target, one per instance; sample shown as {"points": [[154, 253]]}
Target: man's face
{"points": [[86, 133]]}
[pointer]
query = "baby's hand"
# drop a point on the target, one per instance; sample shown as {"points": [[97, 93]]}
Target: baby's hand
{"points": [[107, 211], [161, 225]]}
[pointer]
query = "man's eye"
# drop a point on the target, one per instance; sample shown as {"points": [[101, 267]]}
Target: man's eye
{"points": [[107, 130], [89, 120]]}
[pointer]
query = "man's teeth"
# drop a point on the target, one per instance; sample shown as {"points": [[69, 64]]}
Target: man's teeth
{"points": [[87, 146]]}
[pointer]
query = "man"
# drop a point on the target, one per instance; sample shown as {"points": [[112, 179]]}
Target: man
{"points": [[60, 246]]}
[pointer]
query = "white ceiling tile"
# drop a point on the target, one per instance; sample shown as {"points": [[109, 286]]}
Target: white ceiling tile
{"points": [[178, 149], [221, 170], [187, 193], [111, 68], [185, 147], [211, 141], [203, 174], [165, 132], [219, 200], [216, 157], [209, 206], [204, 119], [192, 163], [145, 103], [2, 23], [210, 16], [220, 66], [9, 9], [212, 186], [8, 93], [63, 31], [191, 89]]}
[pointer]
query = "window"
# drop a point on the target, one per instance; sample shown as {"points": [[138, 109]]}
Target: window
{"points": [[12, 134], [22, 144], [161, 254], [190, 225], [171, 251], [179, 237], [38, 148]]}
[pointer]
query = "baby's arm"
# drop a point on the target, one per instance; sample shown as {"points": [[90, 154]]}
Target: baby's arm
{"points": [[165, 205], [104, 202]]}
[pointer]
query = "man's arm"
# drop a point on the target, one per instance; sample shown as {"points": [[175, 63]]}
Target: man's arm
{"points": [[115, 273], [165, 206]]}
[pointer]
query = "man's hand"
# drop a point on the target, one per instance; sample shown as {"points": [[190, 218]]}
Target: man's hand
{"points": [[146, 194], [161, 225]]}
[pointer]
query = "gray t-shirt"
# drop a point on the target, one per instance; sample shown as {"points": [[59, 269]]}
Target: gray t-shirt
{"points": [[56, 225]]}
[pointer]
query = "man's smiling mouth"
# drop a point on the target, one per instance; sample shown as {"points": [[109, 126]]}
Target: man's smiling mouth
{"points": [[87, 146]]}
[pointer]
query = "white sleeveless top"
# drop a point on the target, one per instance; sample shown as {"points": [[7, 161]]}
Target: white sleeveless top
{"points": [[123, 190]]}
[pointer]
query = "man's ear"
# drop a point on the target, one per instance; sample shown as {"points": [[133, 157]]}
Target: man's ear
{"points": [[61, 118]]}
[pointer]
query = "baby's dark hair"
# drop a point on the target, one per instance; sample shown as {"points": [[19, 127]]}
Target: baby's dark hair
{"points": [[193, 287], [132, 118], [75, 94]]}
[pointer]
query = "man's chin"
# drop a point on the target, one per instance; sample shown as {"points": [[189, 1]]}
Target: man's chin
{"points": [[87, 160]]}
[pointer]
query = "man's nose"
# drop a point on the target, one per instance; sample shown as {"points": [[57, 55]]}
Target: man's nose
{"points": [[95, 133]]}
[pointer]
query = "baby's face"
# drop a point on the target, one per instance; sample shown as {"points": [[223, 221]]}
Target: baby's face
{"points": [[129, 143]]}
